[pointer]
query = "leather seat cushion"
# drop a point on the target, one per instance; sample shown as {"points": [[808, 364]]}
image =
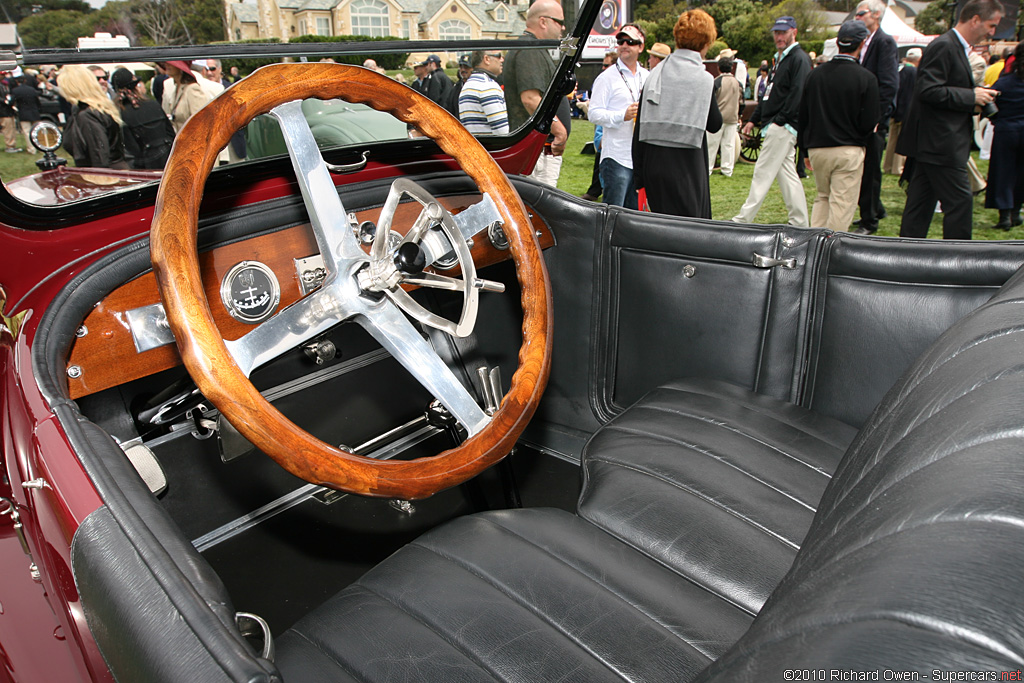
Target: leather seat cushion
{"points": [[695, 502], [522, 595], [715, 481]]}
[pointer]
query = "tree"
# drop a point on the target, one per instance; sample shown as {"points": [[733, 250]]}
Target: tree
{"points": [[660, 10], [750, 34], [56, 28], [115, 18], [13, 11], [724, 10], [157, 22], [933, 19], [172, 22]]}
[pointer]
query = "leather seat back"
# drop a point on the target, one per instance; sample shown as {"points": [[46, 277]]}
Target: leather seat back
{"points": [[913, 561]]}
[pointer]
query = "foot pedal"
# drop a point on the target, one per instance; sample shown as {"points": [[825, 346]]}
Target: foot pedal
{"points": [[146, 464]]}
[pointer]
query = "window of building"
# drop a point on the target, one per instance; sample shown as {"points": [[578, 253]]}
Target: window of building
{"points": [[406, 29], [369, 18], [302, 27], [500, 14], [453, 29], [323, 26]]}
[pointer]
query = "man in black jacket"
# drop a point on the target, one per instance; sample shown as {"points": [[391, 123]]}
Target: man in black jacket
{"points": [[26, 101], [442, 83], [838, 113], [880, 57], [777, 113], [937, 134], [893, 163], [8, 117]]}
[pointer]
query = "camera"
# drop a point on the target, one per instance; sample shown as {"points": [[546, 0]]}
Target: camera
{"points": [[989, 110]]}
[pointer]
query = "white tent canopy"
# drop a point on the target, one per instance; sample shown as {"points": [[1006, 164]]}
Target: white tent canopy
{"points": [[903, 34]]}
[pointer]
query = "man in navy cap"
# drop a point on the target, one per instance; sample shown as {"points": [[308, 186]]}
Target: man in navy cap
{"points": [[838, 113], [777, 113], [422, 83], [441, 84]]}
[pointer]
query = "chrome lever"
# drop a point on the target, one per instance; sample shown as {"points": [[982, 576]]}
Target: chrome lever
{"points": [[761, 261], [490, 381]]}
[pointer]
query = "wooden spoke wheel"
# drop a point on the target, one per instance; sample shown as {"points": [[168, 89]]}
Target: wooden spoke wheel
{"points": [[221, 369], [750, 146]]}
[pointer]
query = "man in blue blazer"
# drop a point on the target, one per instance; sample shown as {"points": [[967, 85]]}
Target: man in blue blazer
{"points": [[937, 135], [879, 56]]}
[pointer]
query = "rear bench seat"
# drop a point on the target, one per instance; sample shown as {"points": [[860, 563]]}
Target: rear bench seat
{"points": [[725, 536]]}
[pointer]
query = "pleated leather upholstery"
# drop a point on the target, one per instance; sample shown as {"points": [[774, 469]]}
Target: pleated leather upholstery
{"points": [[914, 559], [654, 581], [698, 500], [714, 481]]}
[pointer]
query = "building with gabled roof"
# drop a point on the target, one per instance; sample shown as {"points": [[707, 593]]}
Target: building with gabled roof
{"points": [[412, 19]]}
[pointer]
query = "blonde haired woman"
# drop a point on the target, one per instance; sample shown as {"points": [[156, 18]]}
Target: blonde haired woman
{"points": [[93, 135]]}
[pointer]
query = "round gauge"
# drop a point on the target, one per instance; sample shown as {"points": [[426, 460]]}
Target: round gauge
{"points": [[250, 292], [45, 136]]}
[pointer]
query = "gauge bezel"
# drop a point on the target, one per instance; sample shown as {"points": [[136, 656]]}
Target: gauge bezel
{"points": [[228, 301]]}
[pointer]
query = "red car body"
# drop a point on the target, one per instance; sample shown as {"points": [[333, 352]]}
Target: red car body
{"points": [[43, 633]]}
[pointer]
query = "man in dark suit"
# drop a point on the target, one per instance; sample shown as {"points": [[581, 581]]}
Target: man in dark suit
{"points": [[893, 163], [880, 57], [937, 134]]}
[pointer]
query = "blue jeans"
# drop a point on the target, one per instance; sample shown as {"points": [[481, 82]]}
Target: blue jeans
{"points": [[617, 181]]}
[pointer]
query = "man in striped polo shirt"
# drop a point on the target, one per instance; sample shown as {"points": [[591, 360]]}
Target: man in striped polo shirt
{"points": [[482, 102]]}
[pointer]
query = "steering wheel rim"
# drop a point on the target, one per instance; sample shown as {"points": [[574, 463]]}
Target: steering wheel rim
{"points": [[204, 352]]}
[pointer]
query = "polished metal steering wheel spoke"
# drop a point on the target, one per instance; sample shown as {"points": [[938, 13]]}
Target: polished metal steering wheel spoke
{"points": [[327, 215], [295, 325], [389, 326], [352, 278]]}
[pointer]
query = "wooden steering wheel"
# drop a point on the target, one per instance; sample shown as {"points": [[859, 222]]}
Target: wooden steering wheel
{"points": [[348, 292]]}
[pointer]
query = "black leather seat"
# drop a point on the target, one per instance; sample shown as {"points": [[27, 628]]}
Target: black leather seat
{"points": [[697, 502], [689, 518]]}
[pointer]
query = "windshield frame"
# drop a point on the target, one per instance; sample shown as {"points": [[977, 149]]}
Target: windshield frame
{"points": [[34, 216]]}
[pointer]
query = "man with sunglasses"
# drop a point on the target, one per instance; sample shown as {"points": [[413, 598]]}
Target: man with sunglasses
{"points": [[613, 106], [481, 102], [103, 79], [527, 75]]}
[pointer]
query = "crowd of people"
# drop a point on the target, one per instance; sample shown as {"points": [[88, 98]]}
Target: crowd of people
{"points": [[853, 117], [660, 128], [112, 120]]}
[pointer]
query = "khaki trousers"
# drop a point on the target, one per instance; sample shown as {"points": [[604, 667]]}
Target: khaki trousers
{"points": [[26, 128], [837, 174], [893, 163], [10, 128], [776, 161]]}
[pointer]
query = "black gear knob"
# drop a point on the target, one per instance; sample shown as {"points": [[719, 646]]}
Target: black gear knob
{"points": [[410, 258]]}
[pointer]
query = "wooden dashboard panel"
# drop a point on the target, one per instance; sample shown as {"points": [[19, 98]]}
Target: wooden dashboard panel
{"points": [[104, 354]]}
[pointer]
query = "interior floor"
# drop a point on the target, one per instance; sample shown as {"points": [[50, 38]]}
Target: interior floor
{"points": [[288, 564]]}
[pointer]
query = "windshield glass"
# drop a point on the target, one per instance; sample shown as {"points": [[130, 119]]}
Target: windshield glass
{"points": [[118, 119]]}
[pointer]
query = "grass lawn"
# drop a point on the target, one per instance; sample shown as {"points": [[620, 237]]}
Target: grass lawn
{"points": [[21, 164], [728, 194]]}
